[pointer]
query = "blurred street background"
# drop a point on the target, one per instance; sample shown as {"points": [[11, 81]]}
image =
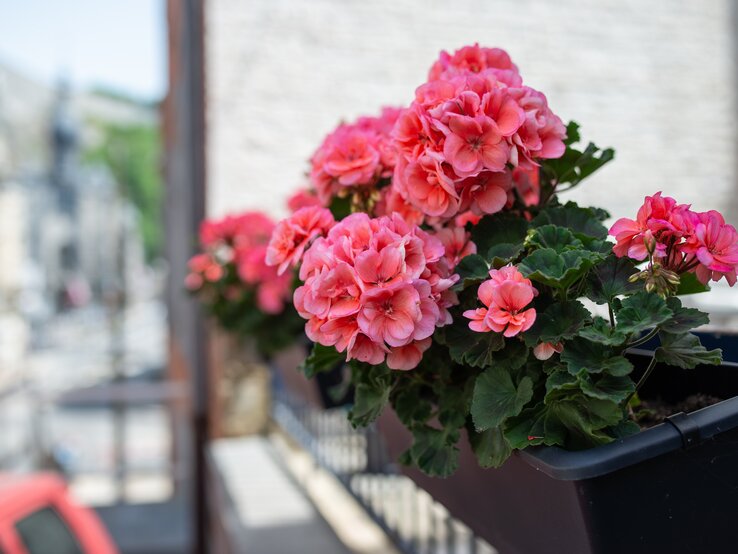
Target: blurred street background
{"points": [[123, 124]]}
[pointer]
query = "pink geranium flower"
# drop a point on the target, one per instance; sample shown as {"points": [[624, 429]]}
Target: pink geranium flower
{"points": [[505, 297], [467, 128], [376, 288]]}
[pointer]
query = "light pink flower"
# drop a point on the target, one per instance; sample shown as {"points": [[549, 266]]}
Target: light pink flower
{"points": [[545, 350], [505, 296]]}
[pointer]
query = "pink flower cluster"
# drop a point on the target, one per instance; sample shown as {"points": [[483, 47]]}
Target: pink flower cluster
{"points": [[377, 289], [354, 155], [469, 125], [239, 241], [505, 296], [680, 239]]}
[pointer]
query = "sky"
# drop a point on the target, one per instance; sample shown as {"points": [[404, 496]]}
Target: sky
{"points": [[116, 44]]}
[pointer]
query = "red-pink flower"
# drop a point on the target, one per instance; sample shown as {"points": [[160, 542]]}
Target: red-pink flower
{"points": [[715, 245], [658, 220], [292, 235], [505, 297]]}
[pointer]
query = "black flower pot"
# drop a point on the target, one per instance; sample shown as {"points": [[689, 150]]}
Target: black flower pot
{"points": [[672, 488]]}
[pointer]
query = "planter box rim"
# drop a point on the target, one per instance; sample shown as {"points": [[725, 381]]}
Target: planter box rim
{"points": [[679, 431]]}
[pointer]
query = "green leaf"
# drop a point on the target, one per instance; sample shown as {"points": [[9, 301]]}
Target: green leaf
{"points": [[481, 353], [340, 207], [556, 270], [500, 228], [582, 222], [641, 311], [371, 394], [575, 165], [607, 387], [472, 269], [410, 405], [684, 319], [689, 284], [685, 351], [496, 397], [582, 354], [601, 332], [572, 133], [434, 451], [560, 321], [534, 426], [554, 237], [625, 428], [490, 447], [609, 279], [321, 358], [503, 253]]}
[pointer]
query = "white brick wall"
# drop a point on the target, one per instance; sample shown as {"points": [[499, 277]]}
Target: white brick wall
{"points": [[653, 79]]}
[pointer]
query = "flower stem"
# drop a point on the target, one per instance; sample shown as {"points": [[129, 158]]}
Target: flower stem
{"points": [[645, 338], [612, 315], [644, 377]]}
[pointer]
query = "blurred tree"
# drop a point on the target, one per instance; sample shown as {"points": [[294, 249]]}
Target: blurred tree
{"points": [[132, 153]]}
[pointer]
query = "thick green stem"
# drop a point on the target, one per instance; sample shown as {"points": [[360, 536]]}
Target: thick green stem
{"points": [[644, 377], [612, 315], [645, 338]]}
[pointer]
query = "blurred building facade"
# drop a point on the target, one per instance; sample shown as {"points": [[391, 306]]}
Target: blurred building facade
{"points": [[655, 80]]}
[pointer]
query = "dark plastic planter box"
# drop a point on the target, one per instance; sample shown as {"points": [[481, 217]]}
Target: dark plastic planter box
{"points": [[670, 489]]}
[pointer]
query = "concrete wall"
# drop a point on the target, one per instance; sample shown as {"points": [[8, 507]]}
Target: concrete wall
{"points": [[653, 79]]}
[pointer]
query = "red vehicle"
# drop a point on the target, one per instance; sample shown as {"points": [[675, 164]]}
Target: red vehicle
{"points": [[37, 516]]}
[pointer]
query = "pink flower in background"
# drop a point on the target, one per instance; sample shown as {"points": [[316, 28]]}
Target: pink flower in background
{"points": [[505, 297], [233, 262], [376, 288], [292, 235]]}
